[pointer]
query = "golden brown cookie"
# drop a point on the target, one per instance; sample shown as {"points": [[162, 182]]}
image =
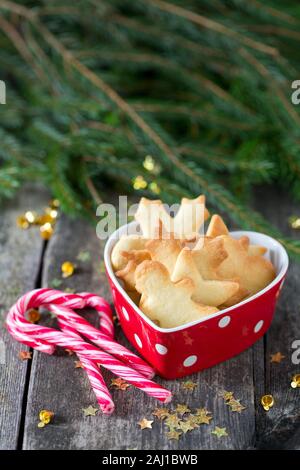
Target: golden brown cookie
{"points": [[165, 302], [207, 292]]}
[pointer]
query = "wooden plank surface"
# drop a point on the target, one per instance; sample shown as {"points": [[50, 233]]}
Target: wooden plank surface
{"points": [[55, 383], [20, 255], [280, 428]]}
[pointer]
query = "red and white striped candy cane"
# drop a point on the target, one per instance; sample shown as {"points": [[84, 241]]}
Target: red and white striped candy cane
{"points": [[45, 339], [97, 381]]}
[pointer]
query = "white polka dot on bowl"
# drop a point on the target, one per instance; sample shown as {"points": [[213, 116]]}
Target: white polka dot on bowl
{"points": [[138, 340], [224, 322], [125, 313], [161, 349], [258, 326], [190, 361]]}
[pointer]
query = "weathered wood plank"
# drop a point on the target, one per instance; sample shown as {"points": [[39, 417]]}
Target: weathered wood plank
{"points": [[280, 427], [20, 256], [55, 383]]}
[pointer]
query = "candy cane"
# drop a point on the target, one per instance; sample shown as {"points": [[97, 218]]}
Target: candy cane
{"points": [[98, 384], [45, 339]]}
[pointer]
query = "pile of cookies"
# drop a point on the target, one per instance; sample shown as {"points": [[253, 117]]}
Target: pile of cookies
{"points": [[175, 275]]}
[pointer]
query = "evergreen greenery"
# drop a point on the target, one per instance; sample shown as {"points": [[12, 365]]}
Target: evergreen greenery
{"points": [[94, 86]]}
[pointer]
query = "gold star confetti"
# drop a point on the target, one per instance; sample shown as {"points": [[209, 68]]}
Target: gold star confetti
{"points": [[145, 423], [202, 416], [182, 409], [33, 315], [185, 426], [70, 290], [295, 381], [294, 222], [46, 231], [161, 413], [25, 355], [90, 411], [192, 421], [235, 405], [227, 396], [67, 269], [119, 384], [189, 385], [84, 256], [78, 365], [70, 352], [139, 183], [45, 417], [219, 432], [267, 401], [173, 435], [172, 421], [277, 357]]}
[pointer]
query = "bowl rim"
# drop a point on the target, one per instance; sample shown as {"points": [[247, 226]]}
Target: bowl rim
{"points": [[270, 241]]}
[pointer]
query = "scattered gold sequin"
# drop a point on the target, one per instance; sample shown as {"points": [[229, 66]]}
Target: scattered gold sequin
{"points": [[46, 231], [296, 381], [139, 183], [119, 384], [67, 269], [161, 413], [54, 203], [153, 186], [145, 423], [90, 411], [219, 432], [182, 409], [173, 435], [45, 417], [150, 165], [267, 401], [51, 212], [189, 385], [25, 355], [22, 222], [33, 315], [30, 216], [294, 222], [45, 221], [277, 357]]}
